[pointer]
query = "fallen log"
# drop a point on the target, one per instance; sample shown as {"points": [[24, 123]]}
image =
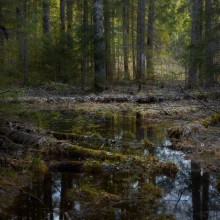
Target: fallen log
{"points": [[20, 137], [64, 149], [66, 166]]}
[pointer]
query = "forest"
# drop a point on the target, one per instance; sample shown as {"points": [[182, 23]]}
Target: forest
{"points": [[110, 109]]}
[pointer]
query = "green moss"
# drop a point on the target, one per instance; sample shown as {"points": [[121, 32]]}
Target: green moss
{"points": [[7, 172], [58, 86], [153, 190], [74, 150], [38, 165], [93, 166], [128, 135], [211, 120], [202, 96], [96, 135], [84, 193], [148, 143]]}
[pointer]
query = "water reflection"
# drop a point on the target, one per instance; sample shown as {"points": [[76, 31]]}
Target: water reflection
{"points": [[118, 126], [191, 194]]}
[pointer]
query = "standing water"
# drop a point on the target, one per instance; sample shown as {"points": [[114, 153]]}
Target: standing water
{"points": [[191, 194]]}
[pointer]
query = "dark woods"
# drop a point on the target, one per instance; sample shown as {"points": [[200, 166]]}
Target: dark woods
{"points": [[97, 43]]}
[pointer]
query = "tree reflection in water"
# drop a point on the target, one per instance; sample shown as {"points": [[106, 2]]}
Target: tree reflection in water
{"points": [[192, 194]]}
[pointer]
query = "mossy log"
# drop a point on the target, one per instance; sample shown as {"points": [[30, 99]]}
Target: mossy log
{"points": [[63, 149], [20, 137], [66, 166], [75, 151], [88, 139]]}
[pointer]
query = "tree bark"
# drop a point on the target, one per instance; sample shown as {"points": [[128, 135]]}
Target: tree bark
{"points": [[69, 14], [133, 41], [46, 16], [99, 51], [2, 40], [141, 56], [195, 43], [24, 51], [209, 74], [107, 28], [150, 40], [62, 16], [84, 44], [125, 37]]}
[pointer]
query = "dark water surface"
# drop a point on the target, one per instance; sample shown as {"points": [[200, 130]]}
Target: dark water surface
{"points": [[191, 194]]}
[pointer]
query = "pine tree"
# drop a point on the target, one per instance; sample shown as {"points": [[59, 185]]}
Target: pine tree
{"points": [[99, 49]]}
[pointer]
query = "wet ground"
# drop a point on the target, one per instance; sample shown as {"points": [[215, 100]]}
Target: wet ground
{"points": [[191, 194]]}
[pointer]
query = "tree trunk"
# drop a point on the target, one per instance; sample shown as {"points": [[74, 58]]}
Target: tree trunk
{"points": [[107, 28], [195, 43], [196, 188], [62, 16], [209, 74], [150, 40], [25, 45], [46, 16], [205, 196], [133, 41], [125, 37], [69, 13], [2, 39], [84, 43], [99, 51], [141, 56]]}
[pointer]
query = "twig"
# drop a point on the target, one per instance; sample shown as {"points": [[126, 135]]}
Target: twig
{"points": [[3, 92], [32, 196], [198, 100]]}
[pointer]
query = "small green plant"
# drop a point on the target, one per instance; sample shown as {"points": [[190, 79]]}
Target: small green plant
{"points": [[148, 143], [128, 135], [96, 135], [93, 166], [38, 165], [58, 86]]}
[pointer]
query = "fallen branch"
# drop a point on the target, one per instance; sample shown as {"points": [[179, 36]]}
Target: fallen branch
{"points": [[198, 100], [3, 92]]}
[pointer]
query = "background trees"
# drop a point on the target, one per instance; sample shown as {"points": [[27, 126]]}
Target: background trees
{"points": [[74, 42]]}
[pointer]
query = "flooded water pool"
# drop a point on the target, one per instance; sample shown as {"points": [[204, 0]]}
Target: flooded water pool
{"points": [[191, 194]]}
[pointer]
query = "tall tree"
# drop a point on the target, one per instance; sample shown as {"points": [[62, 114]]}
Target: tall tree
{"points": [[2, 40], [196, 38], [46, 16], [141, 49], [84, 43], [126, 37], [209, 44], [69, 20], [133, 38], [62, 16], [22, 39], [107, 33], [150, 40], [99, 49]]}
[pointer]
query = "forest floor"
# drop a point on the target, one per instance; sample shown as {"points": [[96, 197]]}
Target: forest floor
{"points": [[193, 119], [185, 109]]}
